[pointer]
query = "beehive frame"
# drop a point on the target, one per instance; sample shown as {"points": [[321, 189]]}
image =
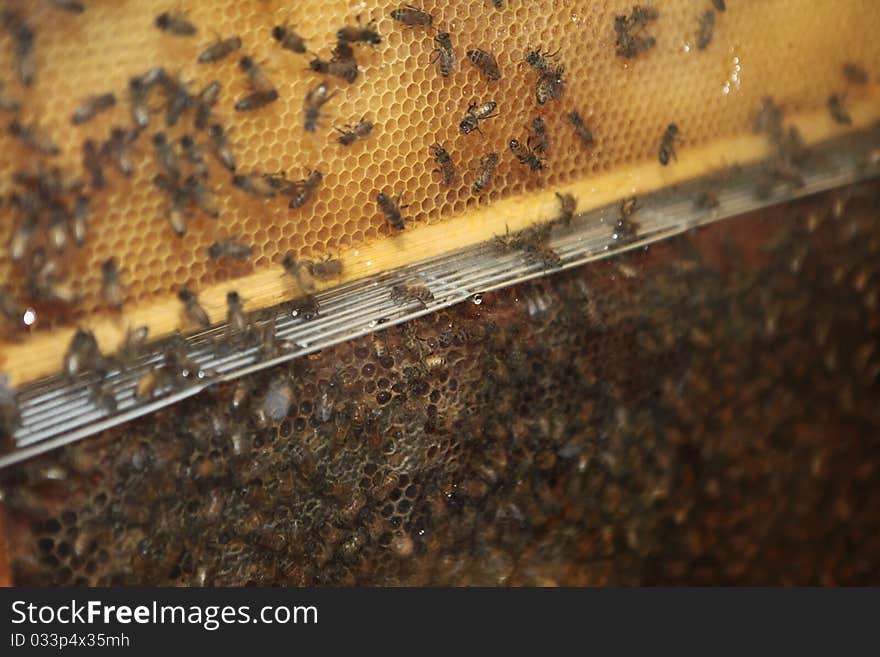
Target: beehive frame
{"points": [[758, 49]]}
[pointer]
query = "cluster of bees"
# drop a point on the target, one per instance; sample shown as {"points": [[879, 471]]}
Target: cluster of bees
{"points": [[53, 209], [632, 40], [789, 154]]}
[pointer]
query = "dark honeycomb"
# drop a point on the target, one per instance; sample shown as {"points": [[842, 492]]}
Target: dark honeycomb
{"points": [[705, 411]]}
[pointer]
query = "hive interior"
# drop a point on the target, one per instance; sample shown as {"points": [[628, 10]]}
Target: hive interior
{"points": [[704, 412], [758, 48]]}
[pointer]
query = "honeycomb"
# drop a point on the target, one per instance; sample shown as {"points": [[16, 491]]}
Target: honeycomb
{"points": [[758, 48], [703, 413]]}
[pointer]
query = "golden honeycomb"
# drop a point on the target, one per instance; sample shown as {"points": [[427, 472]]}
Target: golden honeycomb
{"points": [[784, 48]]}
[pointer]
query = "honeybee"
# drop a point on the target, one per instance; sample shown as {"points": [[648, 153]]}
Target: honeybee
{"points": [[178, 198], [533, 241], [550, 85], [137, 94], [263, 91], [768, 119], [91, 106], [256, 77], [391, 208], [303, 189], [58, 227], [315, 99], [667, 143], [25, 230], [359, 33], [445, 166], [629, 29], [195, 191], [299, 271], [175, 23], [111, 285], [154, 76], [91, 161], [538, 249], [32, 137], [706, 200], [219, 49], [342, 64], [854, 73], [487, 170], [117, 147], [82, 353], [235, 319], [46, 183], [220, 144], [193, 311], [44, 279], [280, 183], [540, 138], [485, 62], [404, 294], [166, 155], [838, 112], [256, 100], [444, 55], [268, 345], [194, 155], [288, 39], [231, 249], [475, 114], [205, 101], [580, 128], [785, 166], [629, 206], [179, 368], [641, 16], [342, 51], [349, 134], [525, 155], [412, 16], [178, 96], [540, 59], [568, 206], [324, 269], [151, 383], [103, 398], [626, 228], [73, 6], [131, 346], [705, 30], [792, 148], [23, 40], [240, 394], [256, 184], [306, 307]]}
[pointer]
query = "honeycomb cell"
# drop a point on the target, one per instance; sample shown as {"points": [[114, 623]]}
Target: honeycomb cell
{"points": [[710, 93]]}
